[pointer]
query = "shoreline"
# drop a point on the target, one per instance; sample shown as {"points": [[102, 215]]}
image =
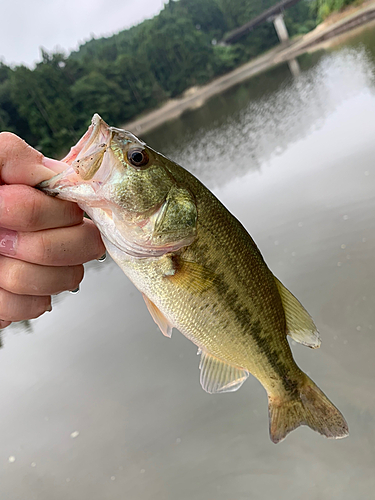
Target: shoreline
{"points": [[194, 97]]}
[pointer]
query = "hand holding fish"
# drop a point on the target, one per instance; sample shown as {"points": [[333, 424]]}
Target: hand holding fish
{"points": [[43, 241]]}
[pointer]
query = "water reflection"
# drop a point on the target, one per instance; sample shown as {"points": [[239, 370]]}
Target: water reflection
{"points": [[294, 67], [253, 127]]}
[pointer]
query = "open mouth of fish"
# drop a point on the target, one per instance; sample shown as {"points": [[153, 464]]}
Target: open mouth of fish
{"points": [[88, 165]]}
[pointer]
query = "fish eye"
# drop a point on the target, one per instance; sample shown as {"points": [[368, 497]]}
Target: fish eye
{"points": [[138, 157]]}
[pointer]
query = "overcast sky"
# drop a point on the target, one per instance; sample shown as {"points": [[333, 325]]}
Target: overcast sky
{"points": [[27, 25]]}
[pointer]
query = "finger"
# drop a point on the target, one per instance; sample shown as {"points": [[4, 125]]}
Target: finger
{"points": [[21, 307], [23, 208], [66, 246], [22, 164], [4, 324], [23, 278]]}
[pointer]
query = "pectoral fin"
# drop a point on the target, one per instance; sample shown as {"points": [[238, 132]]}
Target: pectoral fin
{"points": [[217, 376], [158, 317], [299, 323], [191, 275]]}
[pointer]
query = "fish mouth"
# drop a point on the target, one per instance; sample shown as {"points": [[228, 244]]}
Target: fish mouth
{"points": [[84, 161], [99, 132]]}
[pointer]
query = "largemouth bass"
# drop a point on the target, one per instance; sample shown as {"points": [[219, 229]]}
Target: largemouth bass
{"points": [[199, 271]]}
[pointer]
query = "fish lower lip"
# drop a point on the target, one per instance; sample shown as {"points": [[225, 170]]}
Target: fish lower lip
{"points": [[68, 186], [46, 190], [52, 186], [63, 184]]}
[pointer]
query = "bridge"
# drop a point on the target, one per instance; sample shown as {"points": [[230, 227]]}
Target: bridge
{"points": [[274, 14]]}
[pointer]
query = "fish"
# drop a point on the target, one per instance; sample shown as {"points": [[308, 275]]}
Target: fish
{"points": [[199, 271]]}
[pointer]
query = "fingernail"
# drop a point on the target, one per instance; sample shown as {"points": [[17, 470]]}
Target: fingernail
{"points": [[55, 165], [76, 290], [8, 241], [102, 258], [49, 308]]}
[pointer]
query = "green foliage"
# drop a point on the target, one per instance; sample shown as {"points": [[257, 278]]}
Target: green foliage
{"points": [[323, 8], [95, 92], [206, 16], [43, 98], [227, 58], [178, 55], [10, 118], [240, 11], [300, 19], [137, 69]]}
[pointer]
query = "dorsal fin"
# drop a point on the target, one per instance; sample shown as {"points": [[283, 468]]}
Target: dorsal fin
{"points": [[299, 323], [158, 317], [218, 376]]}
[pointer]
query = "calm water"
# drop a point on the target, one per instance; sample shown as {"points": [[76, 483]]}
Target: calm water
{"points": [[96, 404]]}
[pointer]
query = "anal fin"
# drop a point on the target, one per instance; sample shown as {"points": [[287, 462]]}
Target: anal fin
{"points": [[218, 376], [158, 317], [299, 323]]}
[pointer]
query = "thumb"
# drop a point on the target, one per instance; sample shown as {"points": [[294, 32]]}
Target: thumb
{"points": [[22, 164]]}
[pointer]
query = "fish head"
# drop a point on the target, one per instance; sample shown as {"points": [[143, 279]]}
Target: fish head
{"points": [[111, 171]]}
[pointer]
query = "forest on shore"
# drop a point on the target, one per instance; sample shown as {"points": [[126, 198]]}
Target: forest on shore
{"points": [[119, 77]]}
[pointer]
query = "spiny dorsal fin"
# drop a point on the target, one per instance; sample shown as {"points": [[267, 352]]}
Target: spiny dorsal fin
{"points": [[299, 323], [218, 376], [158, 317]]}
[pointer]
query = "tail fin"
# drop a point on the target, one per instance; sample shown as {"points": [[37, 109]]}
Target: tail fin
{"points": [[313, 408]]}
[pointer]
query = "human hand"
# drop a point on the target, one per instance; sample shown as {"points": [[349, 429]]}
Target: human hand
{"points": [[43, 241]]}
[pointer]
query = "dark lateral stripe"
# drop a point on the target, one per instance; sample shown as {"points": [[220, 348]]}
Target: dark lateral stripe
{"points": [[243, 318]]}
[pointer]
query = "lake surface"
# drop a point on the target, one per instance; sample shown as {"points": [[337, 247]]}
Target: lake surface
{"points": [[96, 404]]}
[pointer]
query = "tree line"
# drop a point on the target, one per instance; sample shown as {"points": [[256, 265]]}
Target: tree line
{"points": [[135, 70]]}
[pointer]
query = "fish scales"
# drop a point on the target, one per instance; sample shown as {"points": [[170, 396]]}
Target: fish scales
{"points": [[255, 313], [199, 271]]}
